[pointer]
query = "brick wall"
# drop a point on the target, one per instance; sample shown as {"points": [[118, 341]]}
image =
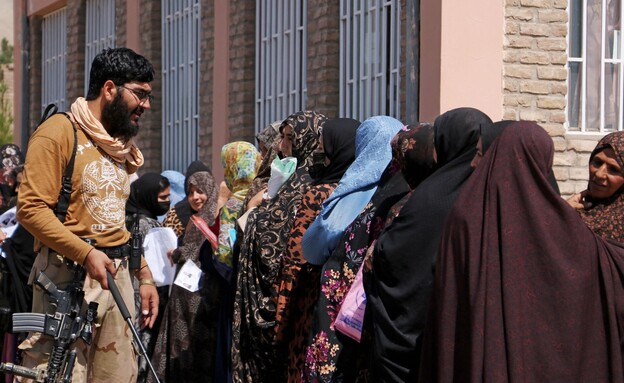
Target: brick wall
{"points": [[242, 70], [534, 81], [76, 15], [206, 65], [150, 134], [403, 59], [34, 112], [120, 23], [323, 80]]}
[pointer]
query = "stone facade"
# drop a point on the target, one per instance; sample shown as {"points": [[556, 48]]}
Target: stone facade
{"points": [[242, 48], [76, 13], [323, 57], [534, 72], [150, 136], [206, 66], [34, 108], [535, 82]]}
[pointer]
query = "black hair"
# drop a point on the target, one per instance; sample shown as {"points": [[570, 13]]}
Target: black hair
{"points": [[121, 66], [163, 184]]}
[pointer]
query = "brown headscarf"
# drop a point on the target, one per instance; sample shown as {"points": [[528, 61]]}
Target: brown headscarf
{"points": [[270, 136], [604, 217], [524, 291], [193, 237]]}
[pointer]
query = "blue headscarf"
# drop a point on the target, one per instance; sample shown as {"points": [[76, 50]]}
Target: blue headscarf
{"points": [[357, 186], [176, 187]]}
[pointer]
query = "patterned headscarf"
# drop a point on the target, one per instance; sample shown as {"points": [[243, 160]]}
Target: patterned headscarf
{"points": [[11, 157], [413, 148], [193, 237], [604, 217], [240, 163], [266, 235], [270, 135], [306, 135]]}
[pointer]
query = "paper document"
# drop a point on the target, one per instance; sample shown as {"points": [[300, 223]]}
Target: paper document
{"points": [[189, 276], [156, 244], [8, 218]]}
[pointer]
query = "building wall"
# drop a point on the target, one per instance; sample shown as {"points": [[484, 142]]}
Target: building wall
{"points": [[242, 70], [516, 73], [461, 57], [150, 133], [535, 82], [35, 72], [206, 68], [76, 14], [323, 57]]}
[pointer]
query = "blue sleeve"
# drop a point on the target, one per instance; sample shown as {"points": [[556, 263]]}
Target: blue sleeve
{"points": [[319, 241]]}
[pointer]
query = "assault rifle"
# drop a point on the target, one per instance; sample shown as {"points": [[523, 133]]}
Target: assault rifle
{"points": [[63, 322]]}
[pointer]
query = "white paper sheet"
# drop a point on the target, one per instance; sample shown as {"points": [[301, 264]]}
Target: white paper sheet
{"points": [[189, 276], [8, 219], [156, 244]]}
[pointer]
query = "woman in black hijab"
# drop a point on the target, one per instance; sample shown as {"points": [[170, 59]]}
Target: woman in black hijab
{"points": [[149, 198], [399, 287]]}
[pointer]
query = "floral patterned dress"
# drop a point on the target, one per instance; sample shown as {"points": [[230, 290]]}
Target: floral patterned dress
{"points": [[332, 356]]}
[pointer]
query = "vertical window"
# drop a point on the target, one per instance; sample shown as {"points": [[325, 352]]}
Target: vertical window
{"points": [[595, 66], [180, 76], [281, 32], [54, 58], [369, 58], [100, 31]]}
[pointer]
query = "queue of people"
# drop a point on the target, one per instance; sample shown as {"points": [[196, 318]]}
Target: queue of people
{"points": [[339, 251]]}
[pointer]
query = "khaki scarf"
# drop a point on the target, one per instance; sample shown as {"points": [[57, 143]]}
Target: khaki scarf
{"points": [[123, 153]]}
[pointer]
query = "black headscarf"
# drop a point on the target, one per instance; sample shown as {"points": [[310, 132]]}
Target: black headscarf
{"points": [[398, 291], [143, 199], [339, 147]]}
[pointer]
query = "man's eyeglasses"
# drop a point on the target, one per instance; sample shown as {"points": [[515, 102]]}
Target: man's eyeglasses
{"points": [[140, 94]]}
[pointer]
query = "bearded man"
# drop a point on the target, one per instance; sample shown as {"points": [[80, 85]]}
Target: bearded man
{"points": [[93, 233]]}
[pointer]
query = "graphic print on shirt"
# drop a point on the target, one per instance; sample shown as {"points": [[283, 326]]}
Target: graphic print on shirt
{"points": [[105, 189]]}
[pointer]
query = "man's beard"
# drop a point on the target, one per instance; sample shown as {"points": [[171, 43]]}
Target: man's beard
{"points": [[116, 117]]}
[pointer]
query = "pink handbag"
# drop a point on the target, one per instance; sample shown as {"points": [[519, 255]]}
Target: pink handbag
{"points": [[351, 315]]}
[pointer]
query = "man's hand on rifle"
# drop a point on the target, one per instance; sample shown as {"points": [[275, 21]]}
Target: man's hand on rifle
{"points": [[96, 264], [149, 297]]}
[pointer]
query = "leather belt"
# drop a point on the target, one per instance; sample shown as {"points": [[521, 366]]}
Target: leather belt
{"points": [[116, 252]]}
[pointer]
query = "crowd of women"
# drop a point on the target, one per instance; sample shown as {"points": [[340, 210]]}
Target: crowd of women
{"points": [[472, 267]]}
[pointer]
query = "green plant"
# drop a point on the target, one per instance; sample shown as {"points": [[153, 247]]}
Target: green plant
{"points": [[6, 113], [6, 52]]}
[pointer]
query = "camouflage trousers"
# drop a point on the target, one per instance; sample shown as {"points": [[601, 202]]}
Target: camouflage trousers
{"points": [[111, 357]]}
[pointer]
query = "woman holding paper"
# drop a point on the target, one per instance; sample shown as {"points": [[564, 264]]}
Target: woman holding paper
{"points": [[149, 198], [182, 348]]}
